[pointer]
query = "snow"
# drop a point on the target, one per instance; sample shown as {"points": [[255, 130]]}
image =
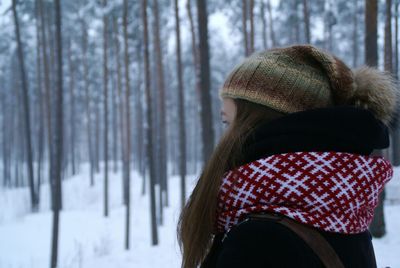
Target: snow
{"points": [[387, 248], [87, 239]]}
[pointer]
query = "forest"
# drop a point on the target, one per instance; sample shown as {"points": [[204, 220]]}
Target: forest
{"points": [[122, 96]]}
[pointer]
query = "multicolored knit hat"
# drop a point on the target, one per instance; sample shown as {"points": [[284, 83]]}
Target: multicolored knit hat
{"points": [[303, 77]]}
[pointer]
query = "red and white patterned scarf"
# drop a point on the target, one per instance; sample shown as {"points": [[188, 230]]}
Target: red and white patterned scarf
{"points": [[332, 191]]}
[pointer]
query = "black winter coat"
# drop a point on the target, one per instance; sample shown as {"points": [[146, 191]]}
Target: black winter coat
{"points": [[264, 243]]}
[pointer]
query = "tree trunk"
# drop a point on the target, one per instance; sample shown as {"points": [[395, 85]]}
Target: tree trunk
{"points": [[206, 111], [295, 38], [271, 26], [57, 137], [41, 108], [306, 21], [105, 85], [388, 38], [72, 119], [244, 27], [27, 122], [355, 34], [5, 139], [181, 110], [121, 106], [195, 52], [377, 226], [87, 102], [396, 36], [251, 38], [264, 24], [128, 126], [97, 133], [140, 145], [196, 107], [162, 134], [149, 131], [47, 96], [371, 33], [114, 101], [396, 131]]}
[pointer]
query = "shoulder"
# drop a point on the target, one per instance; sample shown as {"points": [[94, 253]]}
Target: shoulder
{"points": [[258, 243]]}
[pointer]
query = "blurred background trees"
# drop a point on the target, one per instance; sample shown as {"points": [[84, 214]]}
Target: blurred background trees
{"points": [[139, 81]]}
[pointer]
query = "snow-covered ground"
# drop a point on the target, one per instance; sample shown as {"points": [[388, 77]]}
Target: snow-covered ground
{"points": [[87, 239]]}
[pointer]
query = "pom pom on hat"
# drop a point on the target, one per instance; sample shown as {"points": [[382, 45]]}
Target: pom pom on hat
{"points": [[376, 91]]}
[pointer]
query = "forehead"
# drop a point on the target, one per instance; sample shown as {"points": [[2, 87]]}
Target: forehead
{"points": [[228, 103]]}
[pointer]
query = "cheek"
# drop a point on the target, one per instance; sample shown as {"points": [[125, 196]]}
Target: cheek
{"points": [[231, 112], [228, 110]]}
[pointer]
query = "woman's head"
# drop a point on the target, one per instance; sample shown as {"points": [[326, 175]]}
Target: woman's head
{"points": [[303, 77]]}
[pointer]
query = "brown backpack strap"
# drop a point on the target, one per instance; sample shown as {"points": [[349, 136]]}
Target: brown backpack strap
{"points": [[313, 239]]}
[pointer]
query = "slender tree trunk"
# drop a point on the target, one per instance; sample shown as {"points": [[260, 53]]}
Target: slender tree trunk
{"points": [[196, 107], [396, 132], [141, 147], [206, 111], [330, 27], [388, 52], [244, 28], [27, 122], [149, 131], [128, 126], [58, 135], [114, 102], [97, 133], [114, 95], [162, 133], [377, 226], [47, 96], [87, 102], [195, 52], [306, 21], [296, 25], [388, 38], [271, 26], [355, 34], [251, 38], [371, 33], [5, 139], [264, 24], [396, 36], [121, 106], [40, 102], [72, 108], [20, 141], [105, 84], [181, 110], [17, 176]]}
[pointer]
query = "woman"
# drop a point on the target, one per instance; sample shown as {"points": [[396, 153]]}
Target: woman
{"points": [[292, 182]]}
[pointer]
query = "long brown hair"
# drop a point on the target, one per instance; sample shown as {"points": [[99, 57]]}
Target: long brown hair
{"points": [[197, 219]]}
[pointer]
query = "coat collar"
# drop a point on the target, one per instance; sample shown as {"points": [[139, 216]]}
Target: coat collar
{"points": [[339, 129]]}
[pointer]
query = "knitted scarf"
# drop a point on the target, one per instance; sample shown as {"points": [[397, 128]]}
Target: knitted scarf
{"points": [[331, 191]]}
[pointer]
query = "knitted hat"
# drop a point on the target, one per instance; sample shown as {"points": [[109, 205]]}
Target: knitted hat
{"points": [[303, 77]]}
